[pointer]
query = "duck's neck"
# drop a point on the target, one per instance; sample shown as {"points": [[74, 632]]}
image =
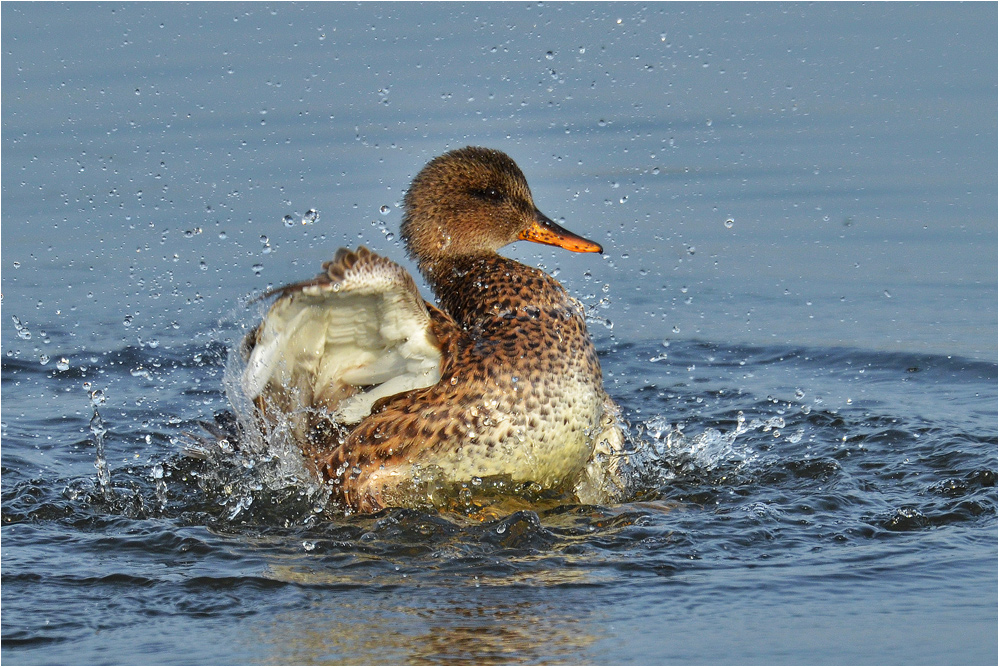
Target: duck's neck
{"points": [[474, 288]]}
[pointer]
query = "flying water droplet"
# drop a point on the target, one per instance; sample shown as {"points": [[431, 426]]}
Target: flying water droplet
{"points": [[98, 429], [22, 331]]}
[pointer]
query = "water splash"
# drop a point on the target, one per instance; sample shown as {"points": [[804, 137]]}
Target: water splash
{"points": [[97, 428], [673, 452], [160, 485], [22, 330], [249, 473]]}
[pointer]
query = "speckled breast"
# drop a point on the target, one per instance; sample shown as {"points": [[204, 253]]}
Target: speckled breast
{"points": [[526, 393]]}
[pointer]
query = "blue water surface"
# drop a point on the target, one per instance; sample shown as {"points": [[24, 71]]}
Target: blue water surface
{"points": [[796, 309]]}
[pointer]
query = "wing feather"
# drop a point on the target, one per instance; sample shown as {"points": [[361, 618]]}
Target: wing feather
{"points": [[356, 333]]}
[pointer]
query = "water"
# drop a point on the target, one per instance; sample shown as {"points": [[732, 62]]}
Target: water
{"points": [[797, 311]]}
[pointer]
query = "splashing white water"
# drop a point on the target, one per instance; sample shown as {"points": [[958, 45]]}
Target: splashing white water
{"points": [[667, 442]]}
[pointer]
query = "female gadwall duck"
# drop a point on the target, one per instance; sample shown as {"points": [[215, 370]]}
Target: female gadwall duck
{"points": [[395, 401]]}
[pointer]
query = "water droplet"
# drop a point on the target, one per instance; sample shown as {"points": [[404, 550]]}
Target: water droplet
{"points": [[43, 359], [310, 217], [157, 472], [97, 397], [729, 223], [288, 220], [17, 265], [384, 209], [549, 55], [62, 364], [127, 321], [257, 268], [308, 545], [22, 331]]}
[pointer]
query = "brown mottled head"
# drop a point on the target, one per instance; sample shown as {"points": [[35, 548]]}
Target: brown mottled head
{"points": [[474, 201]]}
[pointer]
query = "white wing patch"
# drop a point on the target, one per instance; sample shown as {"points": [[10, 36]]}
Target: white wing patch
{"points": [[340, 343]]}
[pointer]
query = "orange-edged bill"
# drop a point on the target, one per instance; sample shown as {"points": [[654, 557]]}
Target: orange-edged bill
{"points": [[545, 231]]}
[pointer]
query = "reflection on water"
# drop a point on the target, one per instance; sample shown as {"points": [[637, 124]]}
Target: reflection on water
{"points": [[474, 624]]}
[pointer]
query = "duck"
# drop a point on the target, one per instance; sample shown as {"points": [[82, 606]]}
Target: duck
{"points": [[395, 401]]}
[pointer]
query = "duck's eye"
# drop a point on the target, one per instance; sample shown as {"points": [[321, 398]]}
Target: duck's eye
{"points": [[488, 194]]}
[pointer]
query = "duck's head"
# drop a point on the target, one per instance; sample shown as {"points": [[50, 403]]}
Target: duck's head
{"points": [[474, 201]]}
